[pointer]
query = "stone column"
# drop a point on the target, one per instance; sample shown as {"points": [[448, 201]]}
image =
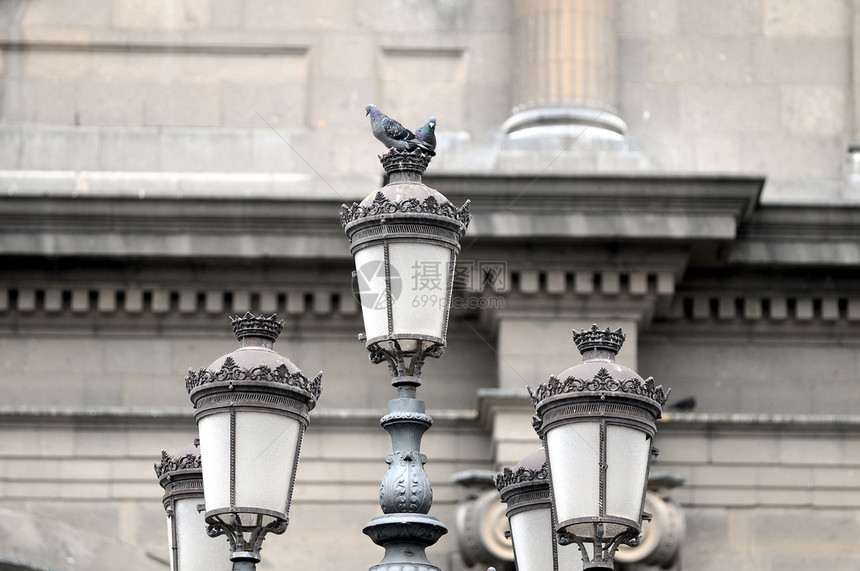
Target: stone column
{"points": [[852, 160], [564, 65]]}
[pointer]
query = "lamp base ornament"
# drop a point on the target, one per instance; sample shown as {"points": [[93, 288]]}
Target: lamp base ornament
{"points": [[405, 537]]}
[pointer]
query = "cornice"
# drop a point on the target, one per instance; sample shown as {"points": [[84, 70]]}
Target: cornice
{"points": [[799, 236], [622, 206], [258, 215]]}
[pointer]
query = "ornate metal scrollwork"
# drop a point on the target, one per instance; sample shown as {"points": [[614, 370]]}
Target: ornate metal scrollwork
{"points": [[391, 353], [509, 477], [602, 381], [170, 464], [230, 371], [381, 205], [604, 548], [235, 534], [396, 358], [405, 487]]}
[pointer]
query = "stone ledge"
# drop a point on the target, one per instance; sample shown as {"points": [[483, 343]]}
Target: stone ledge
{"points": [[170, 416], [177, 185], [518, 400]]}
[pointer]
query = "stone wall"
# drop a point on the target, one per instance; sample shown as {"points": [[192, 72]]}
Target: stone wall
{"points": [[250, 85], [165, 164]]}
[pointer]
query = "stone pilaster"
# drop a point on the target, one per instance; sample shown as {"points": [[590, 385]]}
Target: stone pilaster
{"points": [[852, 159]]}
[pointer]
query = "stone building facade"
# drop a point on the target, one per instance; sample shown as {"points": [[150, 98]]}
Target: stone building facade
{"points": [[683, 169]]}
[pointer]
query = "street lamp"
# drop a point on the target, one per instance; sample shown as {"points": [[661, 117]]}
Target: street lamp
{"points": [[191, 548], [525, 490], [405, 239], [251, 410], [597, 420]]}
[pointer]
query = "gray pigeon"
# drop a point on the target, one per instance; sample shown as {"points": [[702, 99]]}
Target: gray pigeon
{"points": [[392, 134], [426, 135]]}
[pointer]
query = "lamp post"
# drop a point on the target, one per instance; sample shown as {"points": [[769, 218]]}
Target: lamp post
{"points": [[525, 490], [597, 420], [251, 410], [405, 239], [191, 548]]}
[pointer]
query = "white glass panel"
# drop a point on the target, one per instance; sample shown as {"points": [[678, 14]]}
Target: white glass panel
{"points": [[265, 455], [370, 272], [627, 452], [214, 432], [198, 551], [574, 456], [425, 275], [570, 557], [531, 532]]}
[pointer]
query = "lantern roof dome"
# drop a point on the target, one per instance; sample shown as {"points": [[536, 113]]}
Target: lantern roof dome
{"points": [[255, 361], [599, 376], [405, 196]]}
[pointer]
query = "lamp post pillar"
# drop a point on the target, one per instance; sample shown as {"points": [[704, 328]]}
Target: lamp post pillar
{"points": [[405, 240], [251, 408]]}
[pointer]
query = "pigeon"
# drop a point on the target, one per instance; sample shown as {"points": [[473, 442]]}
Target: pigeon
{"points": [[685, 405], [426, 135], [392, 134]]}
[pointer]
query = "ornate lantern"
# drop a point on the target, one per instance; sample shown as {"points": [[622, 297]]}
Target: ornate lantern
{"points": [[251, 410], [597, 421], [525, 490], [405, 239], [191, 548]]}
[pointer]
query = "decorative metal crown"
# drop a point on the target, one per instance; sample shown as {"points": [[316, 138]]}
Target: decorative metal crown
{"points": [[250, 325], [168, 463], [231, 371], [596, 338], [396, 160], [603, 381], [509, 477], [381, 204]]}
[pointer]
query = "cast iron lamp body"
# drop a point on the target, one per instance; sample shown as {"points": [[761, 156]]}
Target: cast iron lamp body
{"points": [[405, 239], [191, 548], [526, 491], [597, 420], [251, 410]]}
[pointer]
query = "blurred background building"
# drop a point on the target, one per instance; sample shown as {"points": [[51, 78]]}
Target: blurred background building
{"points": [[684, 169]]}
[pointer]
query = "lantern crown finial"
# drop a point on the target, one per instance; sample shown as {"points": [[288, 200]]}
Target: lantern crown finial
{"points": [[600, 339], [187, 459], [532, 468], [414, 161], [250, 325]]}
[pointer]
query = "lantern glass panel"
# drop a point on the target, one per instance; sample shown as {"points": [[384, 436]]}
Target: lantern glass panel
{"points": [[573, 451], [531, 532], [570, 557], [422, 306], [214, 432], [370, 273], [265, 458], [627, 453], [196, 549]]}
